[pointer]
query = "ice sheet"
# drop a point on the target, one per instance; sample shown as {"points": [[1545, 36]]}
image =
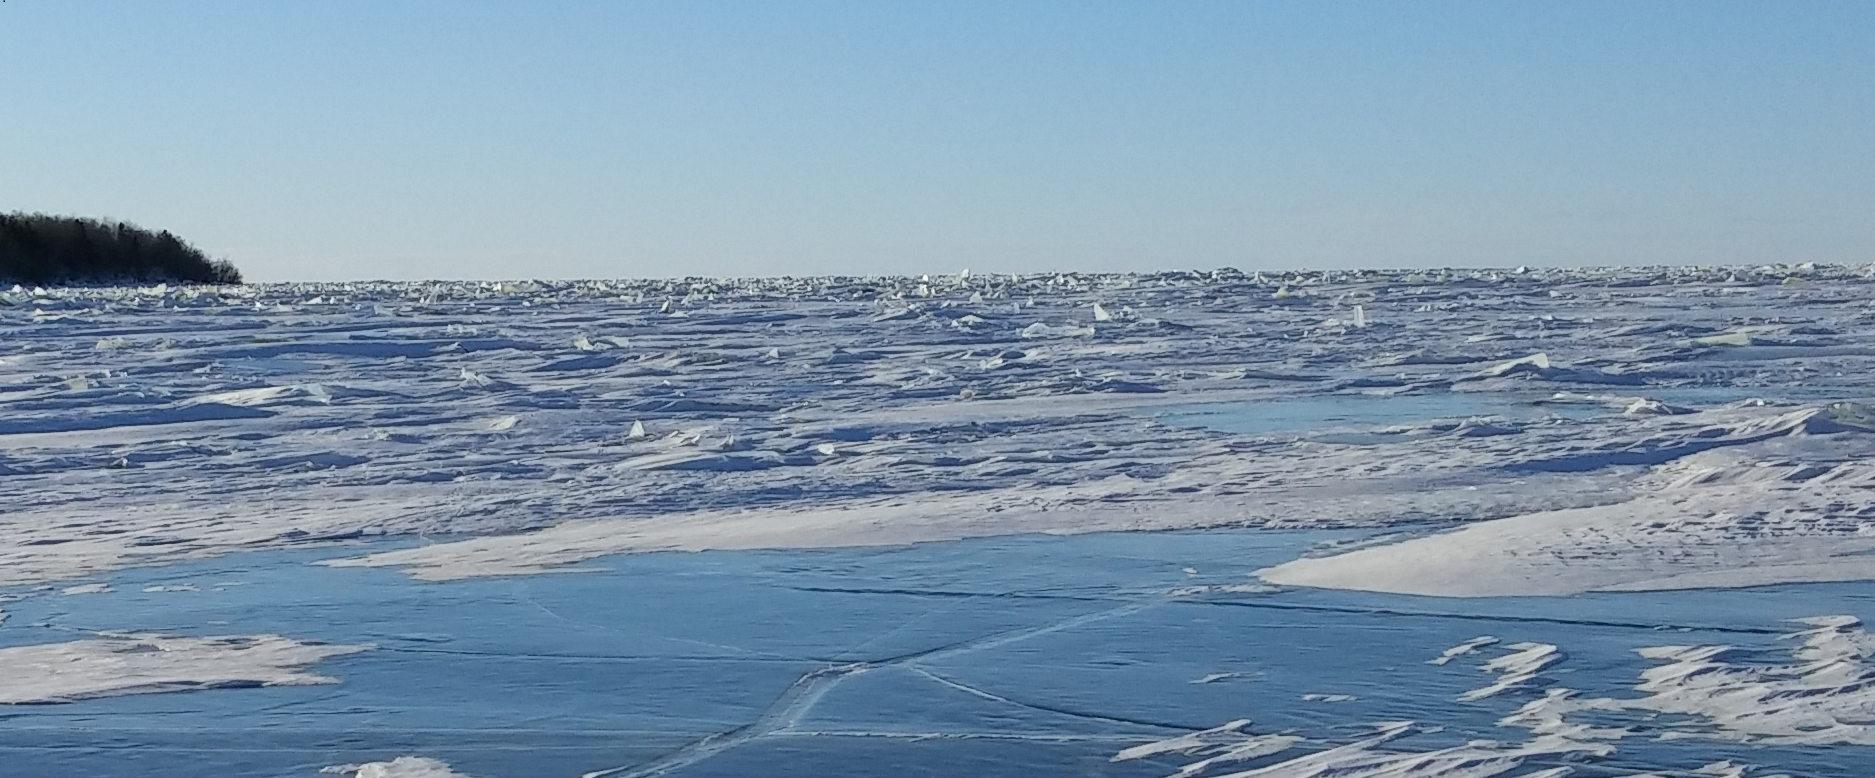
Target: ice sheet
{"points": [[988, 658]]}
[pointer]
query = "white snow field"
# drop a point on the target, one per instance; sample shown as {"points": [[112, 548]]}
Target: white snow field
{"points": [[1577, 434]]}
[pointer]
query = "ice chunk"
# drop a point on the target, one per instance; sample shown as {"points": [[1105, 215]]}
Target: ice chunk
{"points": [[401, 767], [1725, 339], [1535, 362], [1040, 330], [245, 398], [899, 314], [1467, 647], [1645, 407], [1517, 670]]}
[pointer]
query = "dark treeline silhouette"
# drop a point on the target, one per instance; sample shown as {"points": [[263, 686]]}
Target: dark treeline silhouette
{"points": [[36, 248]]}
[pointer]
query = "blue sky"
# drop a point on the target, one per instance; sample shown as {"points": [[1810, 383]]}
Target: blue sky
{"points": [[347, 139]]}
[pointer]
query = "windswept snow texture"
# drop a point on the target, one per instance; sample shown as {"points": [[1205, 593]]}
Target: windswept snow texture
{"points": [[1760, 499], [166, 423], [1716, 692]]}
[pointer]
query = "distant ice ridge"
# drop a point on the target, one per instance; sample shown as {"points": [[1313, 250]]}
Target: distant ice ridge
{"points": [[113, 665]]}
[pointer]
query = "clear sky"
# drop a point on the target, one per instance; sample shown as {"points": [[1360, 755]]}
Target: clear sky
{"points": [[349, 139]]}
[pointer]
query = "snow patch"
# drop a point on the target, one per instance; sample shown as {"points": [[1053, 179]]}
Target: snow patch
{"points": [[113, 665]]}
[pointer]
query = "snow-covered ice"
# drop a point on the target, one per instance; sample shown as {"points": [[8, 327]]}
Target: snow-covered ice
{"points": [[1483, 434], [242, 417]]}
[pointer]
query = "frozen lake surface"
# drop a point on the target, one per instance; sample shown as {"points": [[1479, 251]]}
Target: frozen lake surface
{"points": [[1015, 656], [1301, 525]]}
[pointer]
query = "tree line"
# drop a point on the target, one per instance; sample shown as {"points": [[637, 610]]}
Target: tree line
{"points": [[40, 249]]}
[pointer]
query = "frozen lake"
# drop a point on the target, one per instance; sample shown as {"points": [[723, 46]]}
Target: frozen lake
{"points": [[1014, 656], [1307, 525]]}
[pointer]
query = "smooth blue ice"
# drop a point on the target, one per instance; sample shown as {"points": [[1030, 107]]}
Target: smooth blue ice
{"points": [[1015, 656]]}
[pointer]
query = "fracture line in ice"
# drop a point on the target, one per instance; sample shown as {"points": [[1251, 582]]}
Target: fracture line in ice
{"points": [[992, 696], [789, 709], [786, 711]]}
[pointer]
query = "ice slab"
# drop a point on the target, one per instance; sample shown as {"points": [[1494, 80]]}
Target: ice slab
{"points": [[149, 664]]}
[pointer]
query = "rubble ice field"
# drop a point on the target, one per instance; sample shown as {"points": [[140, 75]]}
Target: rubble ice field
{"points": [[1404, 524]]}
